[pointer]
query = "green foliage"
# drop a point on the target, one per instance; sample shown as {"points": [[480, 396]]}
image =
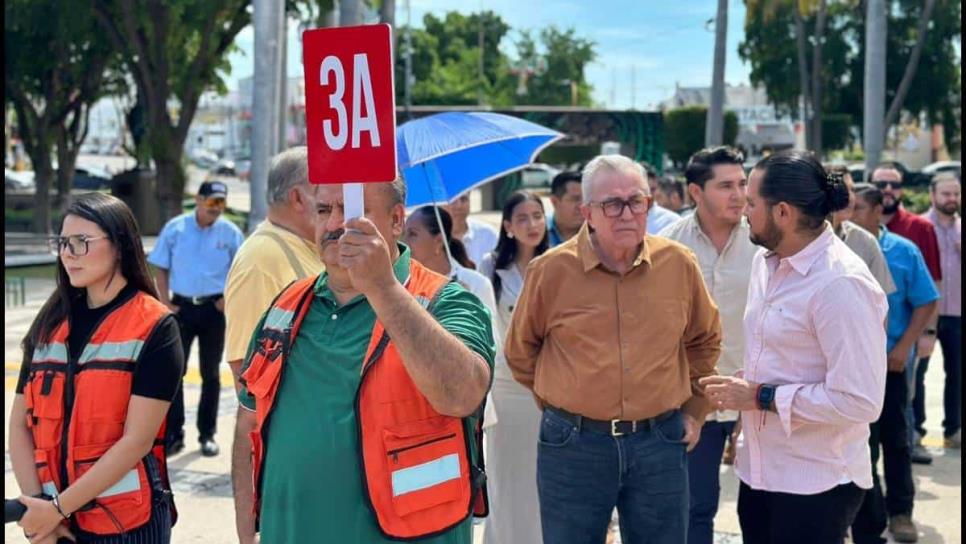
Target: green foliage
{"points": [[769, 47], [684, 131], [446, 63], [916, 199], [836, 130]]}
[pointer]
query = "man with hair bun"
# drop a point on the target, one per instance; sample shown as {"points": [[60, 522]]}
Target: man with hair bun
{"points": [[814, 372]]}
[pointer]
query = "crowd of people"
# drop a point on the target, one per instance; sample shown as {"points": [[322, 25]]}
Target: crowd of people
{"points": [[399, 373]]}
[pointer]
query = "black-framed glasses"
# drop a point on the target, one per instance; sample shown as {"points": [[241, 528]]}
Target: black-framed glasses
{"points": [[614, 207], [883, 183], [77, 244]]}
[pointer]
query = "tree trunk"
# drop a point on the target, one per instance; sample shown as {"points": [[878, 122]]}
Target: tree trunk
{"points": [[892, 116], [817, 80], [167, 152], [43, 178], [66, 161], [803, 79]]}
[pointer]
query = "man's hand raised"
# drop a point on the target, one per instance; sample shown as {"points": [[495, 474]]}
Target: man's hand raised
{"points": [[364, 253]]}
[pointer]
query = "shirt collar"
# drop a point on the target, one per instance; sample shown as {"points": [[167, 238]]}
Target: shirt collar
{"points": [[400, 269], [802, 261], [588, 256]]}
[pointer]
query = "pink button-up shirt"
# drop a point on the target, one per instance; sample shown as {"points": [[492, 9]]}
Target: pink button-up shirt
{"points": [[814, 326]]}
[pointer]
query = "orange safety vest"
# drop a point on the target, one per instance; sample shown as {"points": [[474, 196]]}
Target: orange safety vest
{"points": [[419, 477], [76, 412]]}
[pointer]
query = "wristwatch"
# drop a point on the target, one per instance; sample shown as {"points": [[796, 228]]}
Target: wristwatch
{"points": [[766, 396], [930, 332]]}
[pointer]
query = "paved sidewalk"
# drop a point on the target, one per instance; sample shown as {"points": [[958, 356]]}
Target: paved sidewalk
{"points": [[203, 488]]}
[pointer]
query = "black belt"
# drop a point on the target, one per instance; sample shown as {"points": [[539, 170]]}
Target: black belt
{"points": [[197, 301], [613, 427]]}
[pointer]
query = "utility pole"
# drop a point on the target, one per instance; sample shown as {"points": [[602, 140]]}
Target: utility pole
{"points": [[714, 126], [407, 85], [873, 134], [265, 109], [282, 85]]}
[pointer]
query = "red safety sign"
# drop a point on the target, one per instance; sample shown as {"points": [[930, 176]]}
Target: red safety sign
{"points": [[350, 104]]}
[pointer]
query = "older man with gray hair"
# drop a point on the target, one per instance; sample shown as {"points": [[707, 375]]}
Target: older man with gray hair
{"points": [[612, 330], [280, 251]]}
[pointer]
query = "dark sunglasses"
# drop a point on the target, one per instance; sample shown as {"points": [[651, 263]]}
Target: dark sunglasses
{"points": [[883, 183]]}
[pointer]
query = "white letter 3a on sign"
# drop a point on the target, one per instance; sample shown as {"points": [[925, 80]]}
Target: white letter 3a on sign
{"points": [[335, 141], [362, 90]]}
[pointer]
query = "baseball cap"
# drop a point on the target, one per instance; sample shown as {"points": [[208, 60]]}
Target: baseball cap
{"points": [[213, 189]]}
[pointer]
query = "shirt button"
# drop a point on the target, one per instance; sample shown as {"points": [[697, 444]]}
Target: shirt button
{"points": [[335, 316]]}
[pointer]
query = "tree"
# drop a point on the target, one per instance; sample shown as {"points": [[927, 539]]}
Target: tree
{"points": [[446, 63], [565, 56], [54, 67], [933, 82], [174, 52], [684, 130]]}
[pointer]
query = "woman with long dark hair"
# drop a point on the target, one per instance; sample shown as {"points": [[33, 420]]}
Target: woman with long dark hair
{"points": [[511, 449], [428, 237], [102, 361]]}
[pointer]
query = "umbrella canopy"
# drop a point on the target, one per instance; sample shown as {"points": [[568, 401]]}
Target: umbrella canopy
{"points": [[445, 155]]}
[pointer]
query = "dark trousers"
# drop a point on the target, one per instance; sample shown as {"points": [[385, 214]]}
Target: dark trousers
{"points": [[704, 464], [950, 336], [582, 475], [768, 517], [889, 431], [207, 324]]}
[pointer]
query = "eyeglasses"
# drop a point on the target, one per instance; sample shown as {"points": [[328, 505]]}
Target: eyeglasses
{"points": [[215, 203], [77, 244], [614, 207], [883, 183]]}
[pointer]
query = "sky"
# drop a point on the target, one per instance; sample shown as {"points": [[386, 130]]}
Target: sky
{"points": [[643, 47]]}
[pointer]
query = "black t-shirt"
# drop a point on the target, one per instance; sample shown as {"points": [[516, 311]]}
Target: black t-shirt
{"points": [[159, 368]]}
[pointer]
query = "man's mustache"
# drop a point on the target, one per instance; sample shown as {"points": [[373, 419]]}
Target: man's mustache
{"points": [[333, 236]]}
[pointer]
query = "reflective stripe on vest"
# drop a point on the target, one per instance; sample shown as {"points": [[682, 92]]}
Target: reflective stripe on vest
{"points": [[426, 475], [54, 352], [77, 412], [112, 351], [428, 487], [128, 483]]}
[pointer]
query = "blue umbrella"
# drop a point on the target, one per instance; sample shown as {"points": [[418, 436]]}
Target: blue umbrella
{"points": [[445, 155]]}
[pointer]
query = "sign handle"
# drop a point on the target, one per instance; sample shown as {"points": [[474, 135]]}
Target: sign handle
{"points": [[352, 197]]}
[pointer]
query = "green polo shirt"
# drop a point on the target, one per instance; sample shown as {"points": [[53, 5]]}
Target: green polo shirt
{"points": [[312, 486]]}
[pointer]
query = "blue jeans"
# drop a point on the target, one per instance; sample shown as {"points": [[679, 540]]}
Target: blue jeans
{"points": [[704, 464], [951, 341], [582, 475]]}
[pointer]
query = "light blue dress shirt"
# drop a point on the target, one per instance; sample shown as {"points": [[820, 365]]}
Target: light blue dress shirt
{"points": [[196, 258]]}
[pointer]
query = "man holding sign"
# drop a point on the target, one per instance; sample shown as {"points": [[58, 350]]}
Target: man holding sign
{"points": [[361, 387]]}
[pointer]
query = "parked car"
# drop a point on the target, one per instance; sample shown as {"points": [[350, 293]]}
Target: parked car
{"points": [[909, 177], [931, 170], [224, 167], [18, 181], [90, 178]]}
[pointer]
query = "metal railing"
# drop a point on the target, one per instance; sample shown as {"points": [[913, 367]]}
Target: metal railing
{"points": [[16, 291]]}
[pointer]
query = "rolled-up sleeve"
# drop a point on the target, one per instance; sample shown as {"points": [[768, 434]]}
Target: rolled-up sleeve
{"points": [[847, 318], [525, 337], [702, 337]]}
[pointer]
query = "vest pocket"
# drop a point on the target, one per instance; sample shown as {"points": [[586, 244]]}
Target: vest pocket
{"points": [[45, 472], [426, 464], [123, 506], [44, 399], [261, 376]]}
